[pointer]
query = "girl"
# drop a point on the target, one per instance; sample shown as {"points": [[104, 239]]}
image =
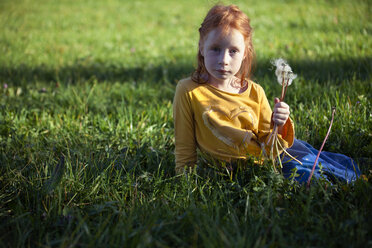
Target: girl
{"points": [[219, 109]]}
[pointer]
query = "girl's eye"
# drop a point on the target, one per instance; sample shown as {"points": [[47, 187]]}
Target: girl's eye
{"points": [[215, 49], [233, 51]]}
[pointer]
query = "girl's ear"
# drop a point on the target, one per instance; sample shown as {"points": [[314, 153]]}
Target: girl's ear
{"points": [[201, 48]]}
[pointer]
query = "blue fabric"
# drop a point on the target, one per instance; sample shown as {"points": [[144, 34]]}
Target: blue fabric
{"points": [[335, 167]]}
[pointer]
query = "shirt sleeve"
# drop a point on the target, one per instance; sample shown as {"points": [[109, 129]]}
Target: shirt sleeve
{"points": [[184, 129], [265, 127]]}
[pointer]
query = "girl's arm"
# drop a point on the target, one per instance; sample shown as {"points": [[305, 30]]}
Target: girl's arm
{"points": [[184, 129]]}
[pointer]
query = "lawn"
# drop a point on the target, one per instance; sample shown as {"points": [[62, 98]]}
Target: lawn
{"points": [[86, 126]]}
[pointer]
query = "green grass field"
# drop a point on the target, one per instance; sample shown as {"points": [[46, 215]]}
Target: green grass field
{"points": [[86, 128]]}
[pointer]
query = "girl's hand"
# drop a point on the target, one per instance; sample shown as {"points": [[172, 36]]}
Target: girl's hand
{"points": [[280, 113]]}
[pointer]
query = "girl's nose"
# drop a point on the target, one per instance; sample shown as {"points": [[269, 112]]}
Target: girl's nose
{"points": [[224, 57]]}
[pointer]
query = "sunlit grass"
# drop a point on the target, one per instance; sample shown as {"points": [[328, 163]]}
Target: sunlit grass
{"points": [[86, 128]]}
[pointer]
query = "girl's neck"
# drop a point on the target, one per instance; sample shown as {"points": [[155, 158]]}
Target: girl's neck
{"points": [[232, 85]]}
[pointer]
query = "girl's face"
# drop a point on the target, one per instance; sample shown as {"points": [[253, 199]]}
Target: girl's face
{"points": [[223, 54]]}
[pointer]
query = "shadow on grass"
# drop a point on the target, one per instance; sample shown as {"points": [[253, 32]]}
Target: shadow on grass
{"points": [[320, 71]]}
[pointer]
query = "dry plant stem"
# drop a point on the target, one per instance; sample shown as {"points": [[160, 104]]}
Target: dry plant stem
{"points": [[277, 150], [274, 135], [271, 135], [286, 75], [275, 129], [272, 158], [321, 148], [289, 155], [284, 87], [284, 90]]}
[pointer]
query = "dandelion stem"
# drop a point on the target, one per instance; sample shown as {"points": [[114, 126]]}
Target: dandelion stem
{"points": [[284, 77], [321, 148], [274, 135], [289, 155], [285, 91], [271, 136], [277, 152], [283, 85]]}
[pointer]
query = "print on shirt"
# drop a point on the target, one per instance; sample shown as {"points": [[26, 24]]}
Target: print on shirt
{"points": [[233, 127]]}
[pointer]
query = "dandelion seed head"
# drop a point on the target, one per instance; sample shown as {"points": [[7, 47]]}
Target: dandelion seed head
{"points": [[283, 71]]}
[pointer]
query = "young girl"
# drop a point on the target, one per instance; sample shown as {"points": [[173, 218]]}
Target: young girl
{"points": [[219, 109]]}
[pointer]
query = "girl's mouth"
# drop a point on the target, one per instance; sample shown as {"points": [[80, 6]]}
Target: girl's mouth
{"points": [[222, 71]]}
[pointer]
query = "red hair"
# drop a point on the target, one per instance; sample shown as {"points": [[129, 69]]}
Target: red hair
{"points": [[226, 17]]}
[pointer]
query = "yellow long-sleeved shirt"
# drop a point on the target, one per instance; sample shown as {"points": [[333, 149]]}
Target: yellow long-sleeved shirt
{"points": [[225, 125]]}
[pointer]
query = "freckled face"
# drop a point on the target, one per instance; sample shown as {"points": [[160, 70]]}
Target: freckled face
{"points": [[223, 54]]}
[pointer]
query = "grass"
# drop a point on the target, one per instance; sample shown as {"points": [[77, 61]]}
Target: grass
{"points": [[86, 128]]}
